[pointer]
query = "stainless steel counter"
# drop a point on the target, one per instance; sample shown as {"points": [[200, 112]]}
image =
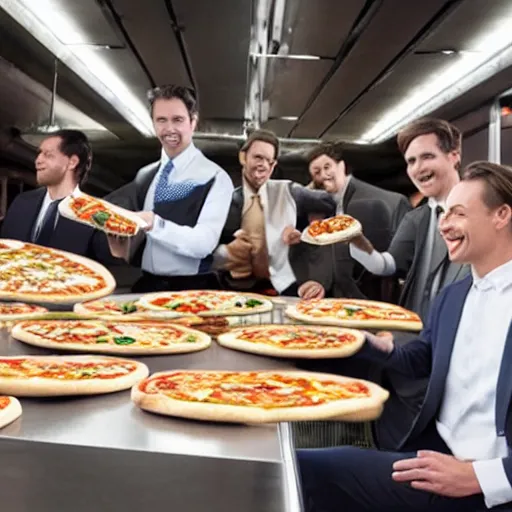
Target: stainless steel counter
{"points": [[104, 454]]}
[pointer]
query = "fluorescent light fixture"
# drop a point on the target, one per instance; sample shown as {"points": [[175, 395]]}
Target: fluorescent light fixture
{"points": [[284, 56], [288, 118], [54, 27], [490, 52]]}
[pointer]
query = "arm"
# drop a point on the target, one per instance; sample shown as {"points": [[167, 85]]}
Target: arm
{"points": [[403, 207], [198, 241], [310, 202], [378, 263]]}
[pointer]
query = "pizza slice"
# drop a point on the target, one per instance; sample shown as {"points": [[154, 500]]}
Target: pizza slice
{"points": [[138, 337], [101, 215], [332, 230], [10, 410], [296, 341], [10, 311], [39, 376], [259, 396]]}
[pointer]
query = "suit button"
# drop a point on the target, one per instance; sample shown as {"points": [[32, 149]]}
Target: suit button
{"points": [[501, 433]]}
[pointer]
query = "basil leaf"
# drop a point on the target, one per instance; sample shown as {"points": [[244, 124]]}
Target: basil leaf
{"points": [[100, 218], [251, 303], [128, 307], [124, 340], [174, 305], [191, 339]]}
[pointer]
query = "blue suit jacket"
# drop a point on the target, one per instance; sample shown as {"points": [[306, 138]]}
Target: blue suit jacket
{"points": [[430, 354]]}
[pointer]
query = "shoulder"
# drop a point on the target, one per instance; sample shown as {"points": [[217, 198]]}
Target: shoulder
{"points": [[147, 169], [29, 197], [393, 197]]}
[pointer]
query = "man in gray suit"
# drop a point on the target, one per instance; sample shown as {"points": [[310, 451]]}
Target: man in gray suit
{"points": [[332, 266]]}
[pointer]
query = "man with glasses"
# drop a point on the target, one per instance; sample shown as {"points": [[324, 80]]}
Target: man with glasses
{"points": [[183, 198]]}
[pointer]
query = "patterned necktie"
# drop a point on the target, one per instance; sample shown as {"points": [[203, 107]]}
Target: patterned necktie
{"points": [[163, 192], [47, 226]]}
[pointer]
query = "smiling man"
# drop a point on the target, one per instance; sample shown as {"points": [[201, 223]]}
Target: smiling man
{"points": [[456, 455], [183, 198], [431, 148]]}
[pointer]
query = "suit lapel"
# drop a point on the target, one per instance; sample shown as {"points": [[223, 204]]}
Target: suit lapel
{"points": [[143, 184], [28, 222], [504, 388], [349, 192]]}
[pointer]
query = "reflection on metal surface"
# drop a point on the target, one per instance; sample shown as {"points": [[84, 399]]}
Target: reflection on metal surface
{"points": [[293, 495]]}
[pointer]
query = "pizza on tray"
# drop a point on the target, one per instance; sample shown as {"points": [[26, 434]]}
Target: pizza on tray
{"points": [[331, 230], [10, 410], [101, 215], [206, 303], [297, 341], [144, 337], [39, 376], [366, 314], [10, 311], [259, 396], [33, 273]]}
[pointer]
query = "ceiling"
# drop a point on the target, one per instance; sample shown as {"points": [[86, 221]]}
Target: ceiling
{"points": [[370, 55]]}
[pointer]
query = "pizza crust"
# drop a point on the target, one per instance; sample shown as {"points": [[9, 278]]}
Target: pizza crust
{"points": [[353, 408], [41, 387], [6, 317], [66, 211], [407, 325], [231, 340], [266, 306], [202, 343], [332, 238], [11, 412], [56, 298]]}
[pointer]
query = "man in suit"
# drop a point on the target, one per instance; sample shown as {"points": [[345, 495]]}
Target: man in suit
{"points": [[182, 198], [62, 164], [456, 455], [332, 266], [431, 148], [264, 215]]}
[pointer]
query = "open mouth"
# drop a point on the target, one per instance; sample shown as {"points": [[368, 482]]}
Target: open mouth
{"points": [[171, 139], [453, 243], [426, 177]]}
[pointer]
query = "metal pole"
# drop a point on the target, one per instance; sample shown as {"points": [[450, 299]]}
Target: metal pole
{"points": [[495, 132], [54, 93]]}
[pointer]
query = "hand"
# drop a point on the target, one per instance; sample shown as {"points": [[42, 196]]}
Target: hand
{"points": [[239, 255], [361, 242], [315, 216], [382, 341], [119, 246], [311, 290], [290, 236], [438, 473], [148, 218]]}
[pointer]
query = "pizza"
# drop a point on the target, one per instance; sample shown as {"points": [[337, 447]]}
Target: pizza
{"points": [[144, 337], [206, 303], [33, 273], [294, 341], [332, 230], [109, 308], [10, 410], [367, 314], [68, 375], [101, 215], [259, 396], [19, 310]]}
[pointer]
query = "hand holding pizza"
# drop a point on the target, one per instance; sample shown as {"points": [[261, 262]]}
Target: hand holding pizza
{"points": [[382, 341], [148, 218], [291, 236]]}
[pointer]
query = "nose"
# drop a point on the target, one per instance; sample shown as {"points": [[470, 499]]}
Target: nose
{"points": [[445, 223]]}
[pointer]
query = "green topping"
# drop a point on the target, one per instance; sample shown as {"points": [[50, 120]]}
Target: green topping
{"points": [[128, 307], [102, 339], [191, 339], [173, 305], [100, 218], [251, 303], [124, 340], [350, 312]]}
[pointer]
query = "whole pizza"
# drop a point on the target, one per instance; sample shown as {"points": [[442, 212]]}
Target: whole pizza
{"points": [[366, 314], [10, 410], [101, 215], [39, 376], [109, 308], [331, 230], [297, 341], [33, 273], [259, 396], [10, 311], [206, 303], [144, 337]]}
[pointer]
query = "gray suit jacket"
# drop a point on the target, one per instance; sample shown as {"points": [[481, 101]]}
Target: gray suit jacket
{"points": [[332, 265]]}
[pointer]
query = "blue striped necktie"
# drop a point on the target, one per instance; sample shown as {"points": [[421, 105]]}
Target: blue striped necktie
{"points": [[163, 192]]}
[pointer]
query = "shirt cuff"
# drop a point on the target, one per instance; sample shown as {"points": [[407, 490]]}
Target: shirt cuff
{"points": [[493, 481], [220, 256], [158, 225], [381, 264]]}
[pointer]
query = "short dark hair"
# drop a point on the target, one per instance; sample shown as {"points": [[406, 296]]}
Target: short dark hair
{"points": [[448, 135], [167, 92], [497, 180], [263, 136], [76, 143], [333, 150]]}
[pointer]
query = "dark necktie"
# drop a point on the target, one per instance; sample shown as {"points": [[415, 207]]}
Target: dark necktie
{"points": [[44, 235]]}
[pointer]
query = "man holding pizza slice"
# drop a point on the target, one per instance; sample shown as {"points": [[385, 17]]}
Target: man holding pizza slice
{"points": [[456, 454]]}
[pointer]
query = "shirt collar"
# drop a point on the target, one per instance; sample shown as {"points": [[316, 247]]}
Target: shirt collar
{"points": [[249, 192], [499, 279], [182, 160], [433, 204]]}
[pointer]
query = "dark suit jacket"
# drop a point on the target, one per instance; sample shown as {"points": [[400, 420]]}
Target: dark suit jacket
{"points": [[333, 266], [71, 236], [308, 202], [429, 356]]}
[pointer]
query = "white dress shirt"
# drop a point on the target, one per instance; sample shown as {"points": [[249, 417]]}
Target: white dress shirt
{"points": [[383, 263], [467, 417], [172, 249], [339, 196], [279, 210]]}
